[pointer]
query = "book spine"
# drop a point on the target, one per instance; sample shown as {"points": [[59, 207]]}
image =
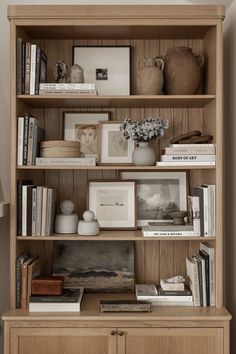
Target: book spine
{"points": [[188, 158], [20, 141], [204, 282], [205, 211], [26, 134], [27, 67], [198, 192], [34, 200], [174, 293], [83, 161], [29, 210], [19, 66], [49, 211], [39, 210], [37, 69], [172, 303], [24, 210], [44, 210], [184, 163], [24, 274], [20, 260], [30, 141], [179, 146], [192, 272], [196, 216], [32, 69], [67, 92], [167, 233], [210, 251], [66, 86], [23, 68], [205, 256], [185, 150], [199, 266], [166, 298]]}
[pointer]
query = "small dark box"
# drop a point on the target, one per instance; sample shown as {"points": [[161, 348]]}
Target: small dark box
{"points": [[47, 285]]}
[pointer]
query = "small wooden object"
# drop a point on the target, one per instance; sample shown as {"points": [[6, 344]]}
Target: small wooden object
{"points": [[125, 306], [60, 148], [47, 285]]}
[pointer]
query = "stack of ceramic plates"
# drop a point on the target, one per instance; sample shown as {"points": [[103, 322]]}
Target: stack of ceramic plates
{"points": [[60, 148]]}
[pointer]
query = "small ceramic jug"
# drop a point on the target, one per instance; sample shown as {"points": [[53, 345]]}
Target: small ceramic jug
{"points": [[150, 78]]}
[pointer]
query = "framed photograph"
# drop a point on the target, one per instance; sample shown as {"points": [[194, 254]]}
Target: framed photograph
{"points": [[113, 203], [158, 194], [113, 148], [83, 127], [106, 66]]}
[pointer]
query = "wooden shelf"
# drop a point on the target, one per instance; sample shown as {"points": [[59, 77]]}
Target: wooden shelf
{"points": [[118, 167], [137, 101], [133, 235]]}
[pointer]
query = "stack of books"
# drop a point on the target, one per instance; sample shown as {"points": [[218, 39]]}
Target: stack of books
{"points": [[166, 229], [29, 136], [201, 273], [35, 209], [69, 301], [160, 297], [67, 88], [31, 67], [188, 155]]}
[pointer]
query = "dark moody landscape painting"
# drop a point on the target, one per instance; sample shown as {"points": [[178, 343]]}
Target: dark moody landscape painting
{"points": [[97, 266]]}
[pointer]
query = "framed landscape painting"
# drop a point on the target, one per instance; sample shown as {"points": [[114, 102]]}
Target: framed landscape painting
{"points": [[158, 194]]}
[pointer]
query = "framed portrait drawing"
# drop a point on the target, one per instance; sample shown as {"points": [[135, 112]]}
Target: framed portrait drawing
{"points": [[113, 148], [106, 66], [83, 127], [113, 203], [158, 194]]}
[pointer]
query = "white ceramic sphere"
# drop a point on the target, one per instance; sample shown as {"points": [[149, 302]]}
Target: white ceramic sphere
{"points": [[88, 215], [67, 207]]}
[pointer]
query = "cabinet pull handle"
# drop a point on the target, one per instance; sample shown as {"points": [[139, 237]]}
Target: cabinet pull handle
{"points": [[113, 333], [121, 333]]}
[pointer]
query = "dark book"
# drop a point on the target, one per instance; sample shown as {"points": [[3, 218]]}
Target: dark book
{"points": [[23, 69], [199, 266], [29, 210], [41, 68], [27, 67], [25, 139], [205, 256], [199, 193], [19, 261], [68, 296], [19, 65], [39, 135], [20, 183], [185, 292]]}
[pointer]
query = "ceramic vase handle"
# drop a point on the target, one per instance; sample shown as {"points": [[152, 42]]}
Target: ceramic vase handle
{"points": [[162, 65], [144, 61], [200, 59]]}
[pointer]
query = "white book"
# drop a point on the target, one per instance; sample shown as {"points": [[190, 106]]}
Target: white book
{"points": [[66, 86], [187, 150], [192, 272], [34, 205], [69, 161], [20, 141], [211, 208], [49, 211], [188, 158], [147, 233], [32, 123], [145, 290], [68, 92], [32, 69], [180, 146], [166, 298], [206, 211], [39, 210], [203, 266], [211, 252], [194, 163], [44, 210], [194, 209], [172, 303]]}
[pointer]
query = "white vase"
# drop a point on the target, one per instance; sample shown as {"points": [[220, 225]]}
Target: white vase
{"points": [[143, 155]]}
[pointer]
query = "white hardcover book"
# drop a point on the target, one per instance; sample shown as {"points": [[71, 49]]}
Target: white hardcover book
{"points": [[186, 150], [20, 141], [172, 303], [192, 272], [32, 69], [69, 161], [203, 266], [144, 291], [211, 208], [148, 233], [34, 205], [65, 86], [24, 210], [49, 211], [185, 163], [44, 210], [166, 298], [68, 92], [180, 146], [32, 123], [188, 158], [211, 252], [206, 211], [39, 210]]}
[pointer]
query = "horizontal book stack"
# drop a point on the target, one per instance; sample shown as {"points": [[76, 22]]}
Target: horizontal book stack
{"points": [[161, 297], [67, 88], [201, 274], [31, 67], [35, 209], [188, 155], [29, 136]]}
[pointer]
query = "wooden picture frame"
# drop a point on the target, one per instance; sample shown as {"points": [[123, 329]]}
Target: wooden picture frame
{"points": [[109, 141], [114, 204]]}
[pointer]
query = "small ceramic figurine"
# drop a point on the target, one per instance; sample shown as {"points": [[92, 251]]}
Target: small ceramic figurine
{"points": [[89, 226], [60, 71], [67, 222], [76, 74]]}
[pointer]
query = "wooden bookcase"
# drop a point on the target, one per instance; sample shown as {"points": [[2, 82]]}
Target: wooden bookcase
{"points": [[150, 31]]}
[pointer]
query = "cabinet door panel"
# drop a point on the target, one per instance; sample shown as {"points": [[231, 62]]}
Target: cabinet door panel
{"points": [[63, 341], [170, 341]]}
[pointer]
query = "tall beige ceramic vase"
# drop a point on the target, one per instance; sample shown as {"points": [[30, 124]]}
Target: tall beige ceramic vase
{"points": [[150, 78]]}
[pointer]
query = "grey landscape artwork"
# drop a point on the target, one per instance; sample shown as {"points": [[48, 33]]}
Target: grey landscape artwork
{"points": [[157, 198], [97, 266]]}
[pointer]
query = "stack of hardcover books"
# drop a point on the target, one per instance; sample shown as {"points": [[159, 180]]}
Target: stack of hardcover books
{"points": [[160, 297], [67, 88], [31, 67], [35, 209], [69, 301], [166, 229], [29, 136], [201, 273], [188, 155]]}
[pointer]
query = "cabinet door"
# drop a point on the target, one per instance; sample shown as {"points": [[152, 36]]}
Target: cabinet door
{"points": [[170, 341], [63, 341]]}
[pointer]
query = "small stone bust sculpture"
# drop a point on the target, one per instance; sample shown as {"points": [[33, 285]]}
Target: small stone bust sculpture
{"points": [[76, 74], [60, 71]]}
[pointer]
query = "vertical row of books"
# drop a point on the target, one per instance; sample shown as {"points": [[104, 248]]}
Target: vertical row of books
{"points": [[29, 136], [31, 67], [201, 274], [35, 209]]}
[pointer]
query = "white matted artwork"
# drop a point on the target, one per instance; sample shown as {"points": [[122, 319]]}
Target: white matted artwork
{"points": [[83, 127], [113, 203], [113, 148], [158, 194], [107, 66]]}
